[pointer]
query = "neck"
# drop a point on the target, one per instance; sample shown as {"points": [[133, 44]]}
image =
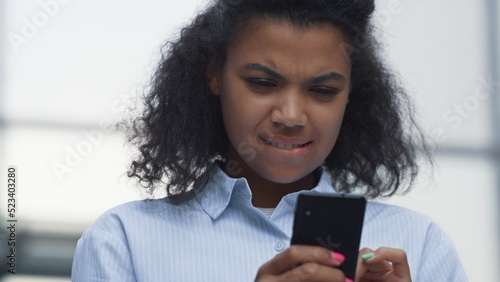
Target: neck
{"points": [[265, 193]]}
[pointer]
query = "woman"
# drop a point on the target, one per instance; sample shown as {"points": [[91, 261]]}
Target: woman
{"points": [[255, 102]]}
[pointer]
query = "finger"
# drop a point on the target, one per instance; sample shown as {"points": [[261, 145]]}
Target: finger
{"points": [[296, 255], [378, 270], [382, 275], [313, 272], [361, 267], [377, 264], [391, 258]]}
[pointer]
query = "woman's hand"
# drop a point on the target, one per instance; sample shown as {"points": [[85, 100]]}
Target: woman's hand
{"points": [[303, 263], [384, 264]]}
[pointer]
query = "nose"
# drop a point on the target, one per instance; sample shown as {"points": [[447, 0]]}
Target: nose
{"points": [[289, 110]]}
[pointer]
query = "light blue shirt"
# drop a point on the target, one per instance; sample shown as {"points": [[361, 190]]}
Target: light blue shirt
{"points": [[220, 236]]}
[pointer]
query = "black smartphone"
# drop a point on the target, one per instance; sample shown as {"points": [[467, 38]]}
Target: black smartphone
{"points": [[333, 221]]}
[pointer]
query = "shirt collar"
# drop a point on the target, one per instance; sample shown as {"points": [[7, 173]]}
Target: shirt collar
{"points": [[216, 190]]}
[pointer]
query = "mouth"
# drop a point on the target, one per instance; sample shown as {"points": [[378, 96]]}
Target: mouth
{"points": [[285, 145]]}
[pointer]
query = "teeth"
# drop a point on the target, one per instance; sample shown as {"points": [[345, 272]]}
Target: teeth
{"points": [[284, 146]]}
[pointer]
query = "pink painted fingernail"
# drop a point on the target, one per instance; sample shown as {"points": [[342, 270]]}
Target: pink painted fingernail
{"points": [[338, 257], [348, 280]]}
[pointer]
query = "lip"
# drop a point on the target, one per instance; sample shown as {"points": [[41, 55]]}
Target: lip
{"points": [[301, 145], [285, 140]]}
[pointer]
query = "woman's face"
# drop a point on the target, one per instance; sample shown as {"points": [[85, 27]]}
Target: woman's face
{"points": [[283, 93]]}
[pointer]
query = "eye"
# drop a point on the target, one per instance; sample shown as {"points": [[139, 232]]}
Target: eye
{"points": [[325, 92], [260, 84]]}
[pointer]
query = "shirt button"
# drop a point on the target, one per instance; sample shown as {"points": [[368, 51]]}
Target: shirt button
{"points": [[279, 246]]}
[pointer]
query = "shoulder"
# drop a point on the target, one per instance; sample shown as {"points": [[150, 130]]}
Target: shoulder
{"points": [[124, 212], [385, 213], [104, 250], [140, 215], [398, 224]]}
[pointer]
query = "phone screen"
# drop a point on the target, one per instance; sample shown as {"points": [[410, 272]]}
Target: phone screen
{"points": [[333, 221]]}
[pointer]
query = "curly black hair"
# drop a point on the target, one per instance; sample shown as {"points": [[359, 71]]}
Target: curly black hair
{"points": [[181, 132]]}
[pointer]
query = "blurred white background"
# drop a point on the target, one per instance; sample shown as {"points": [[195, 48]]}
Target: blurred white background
{"points": [[69, 68]]}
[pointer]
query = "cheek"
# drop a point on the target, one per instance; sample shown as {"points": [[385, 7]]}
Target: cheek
{"points": [[240, 118], [329, 127], [243, 111]]}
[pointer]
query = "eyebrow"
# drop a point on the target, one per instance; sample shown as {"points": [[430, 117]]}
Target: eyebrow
{"points": [[264, 69], [331, 75], [318, 79]]}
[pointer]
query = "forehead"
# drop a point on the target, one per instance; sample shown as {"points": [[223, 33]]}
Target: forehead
{"points": [[256, 24], [285, 46]]}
